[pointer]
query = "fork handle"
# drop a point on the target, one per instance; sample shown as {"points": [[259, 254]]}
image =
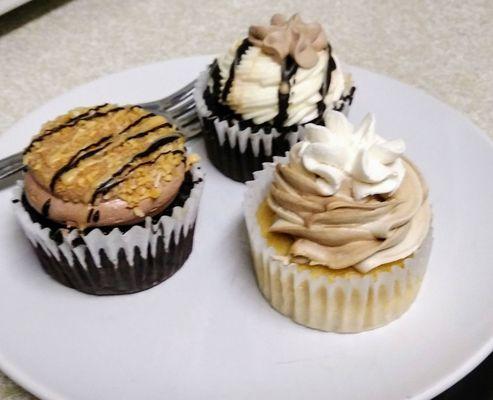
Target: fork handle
{"points": [[10, 165]]}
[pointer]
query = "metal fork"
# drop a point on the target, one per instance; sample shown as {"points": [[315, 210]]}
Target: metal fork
{"points": [[178, 107]]}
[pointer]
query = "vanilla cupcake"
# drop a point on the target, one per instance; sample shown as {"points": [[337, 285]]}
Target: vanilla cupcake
{"points": [[254, 100], [340, 228], [109, 199]]}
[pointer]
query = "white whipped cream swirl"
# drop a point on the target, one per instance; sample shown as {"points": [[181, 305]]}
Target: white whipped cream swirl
{"points": [[254, 92], [339, 151]]}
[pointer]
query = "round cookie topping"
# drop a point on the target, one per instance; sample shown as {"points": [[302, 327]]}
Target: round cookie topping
{"points": [[105, 165]]}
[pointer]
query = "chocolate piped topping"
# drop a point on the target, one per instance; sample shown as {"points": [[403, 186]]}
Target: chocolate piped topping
{"points": [[45, 211], [288, 70]]}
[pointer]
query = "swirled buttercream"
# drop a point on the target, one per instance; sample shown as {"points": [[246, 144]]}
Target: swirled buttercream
{"points": [[348, 198]]}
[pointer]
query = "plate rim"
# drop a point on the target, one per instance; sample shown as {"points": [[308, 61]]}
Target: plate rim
{"points": [[42, 392], [10, 5]]}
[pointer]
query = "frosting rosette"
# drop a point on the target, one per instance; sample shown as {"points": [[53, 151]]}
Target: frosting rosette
{"points": [[290, 37], [339, 151]]}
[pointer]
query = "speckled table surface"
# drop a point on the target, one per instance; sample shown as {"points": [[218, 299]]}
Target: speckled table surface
{"points": [[49, 46]]}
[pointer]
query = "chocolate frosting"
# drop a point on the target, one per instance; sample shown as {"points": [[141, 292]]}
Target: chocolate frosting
{"points": [[282, 38], [108, 212]]}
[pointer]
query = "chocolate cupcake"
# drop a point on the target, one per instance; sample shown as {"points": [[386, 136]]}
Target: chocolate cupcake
{"points": [[109, 199], [254, 101], [340, 229]]}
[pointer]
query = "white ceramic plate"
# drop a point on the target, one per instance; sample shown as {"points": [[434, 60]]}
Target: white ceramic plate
{"points": [[208, 333], [7, 5]]}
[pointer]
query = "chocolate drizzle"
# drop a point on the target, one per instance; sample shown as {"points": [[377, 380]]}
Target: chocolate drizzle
{"points": [[216, 79], [89, 216], [45, 211], [106, 141], [112, 182], [331, 66], [110, 186], [288, 70], [93, 216], [346, 100], [88, 115], [240, 51], [153, 129]]}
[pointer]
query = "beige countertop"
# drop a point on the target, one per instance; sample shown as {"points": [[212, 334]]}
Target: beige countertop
{"points": [[49, 46]]}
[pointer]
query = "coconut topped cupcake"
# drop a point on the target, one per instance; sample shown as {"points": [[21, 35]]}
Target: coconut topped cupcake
{"points": [[104, 166], [282, 75], [348, 198], [109, 199]]}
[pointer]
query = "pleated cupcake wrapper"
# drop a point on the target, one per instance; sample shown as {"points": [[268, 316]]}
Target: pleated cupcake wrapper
{"points": [[115, 262], [238, 152], [339, 304]]}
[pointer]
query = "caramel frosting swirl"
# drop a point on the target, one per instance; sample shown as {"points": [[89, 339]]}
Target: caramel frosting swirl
{"points": [[339, 230], [293, 37]]}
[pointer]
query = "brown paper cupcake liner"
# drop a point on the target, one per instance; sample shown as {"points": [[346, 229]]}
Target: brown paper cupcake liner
{"points": [[117, 260]]}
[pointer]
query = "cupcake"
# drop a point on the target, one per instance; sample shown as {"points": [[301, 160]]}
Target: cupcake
{"points": [[254, 101], [109, 199], [340, 228]]}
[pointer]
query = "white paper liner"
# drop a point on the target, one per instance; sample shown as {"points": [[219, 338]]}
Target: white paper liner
{"points": [[172, 227], [341, 304]]}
